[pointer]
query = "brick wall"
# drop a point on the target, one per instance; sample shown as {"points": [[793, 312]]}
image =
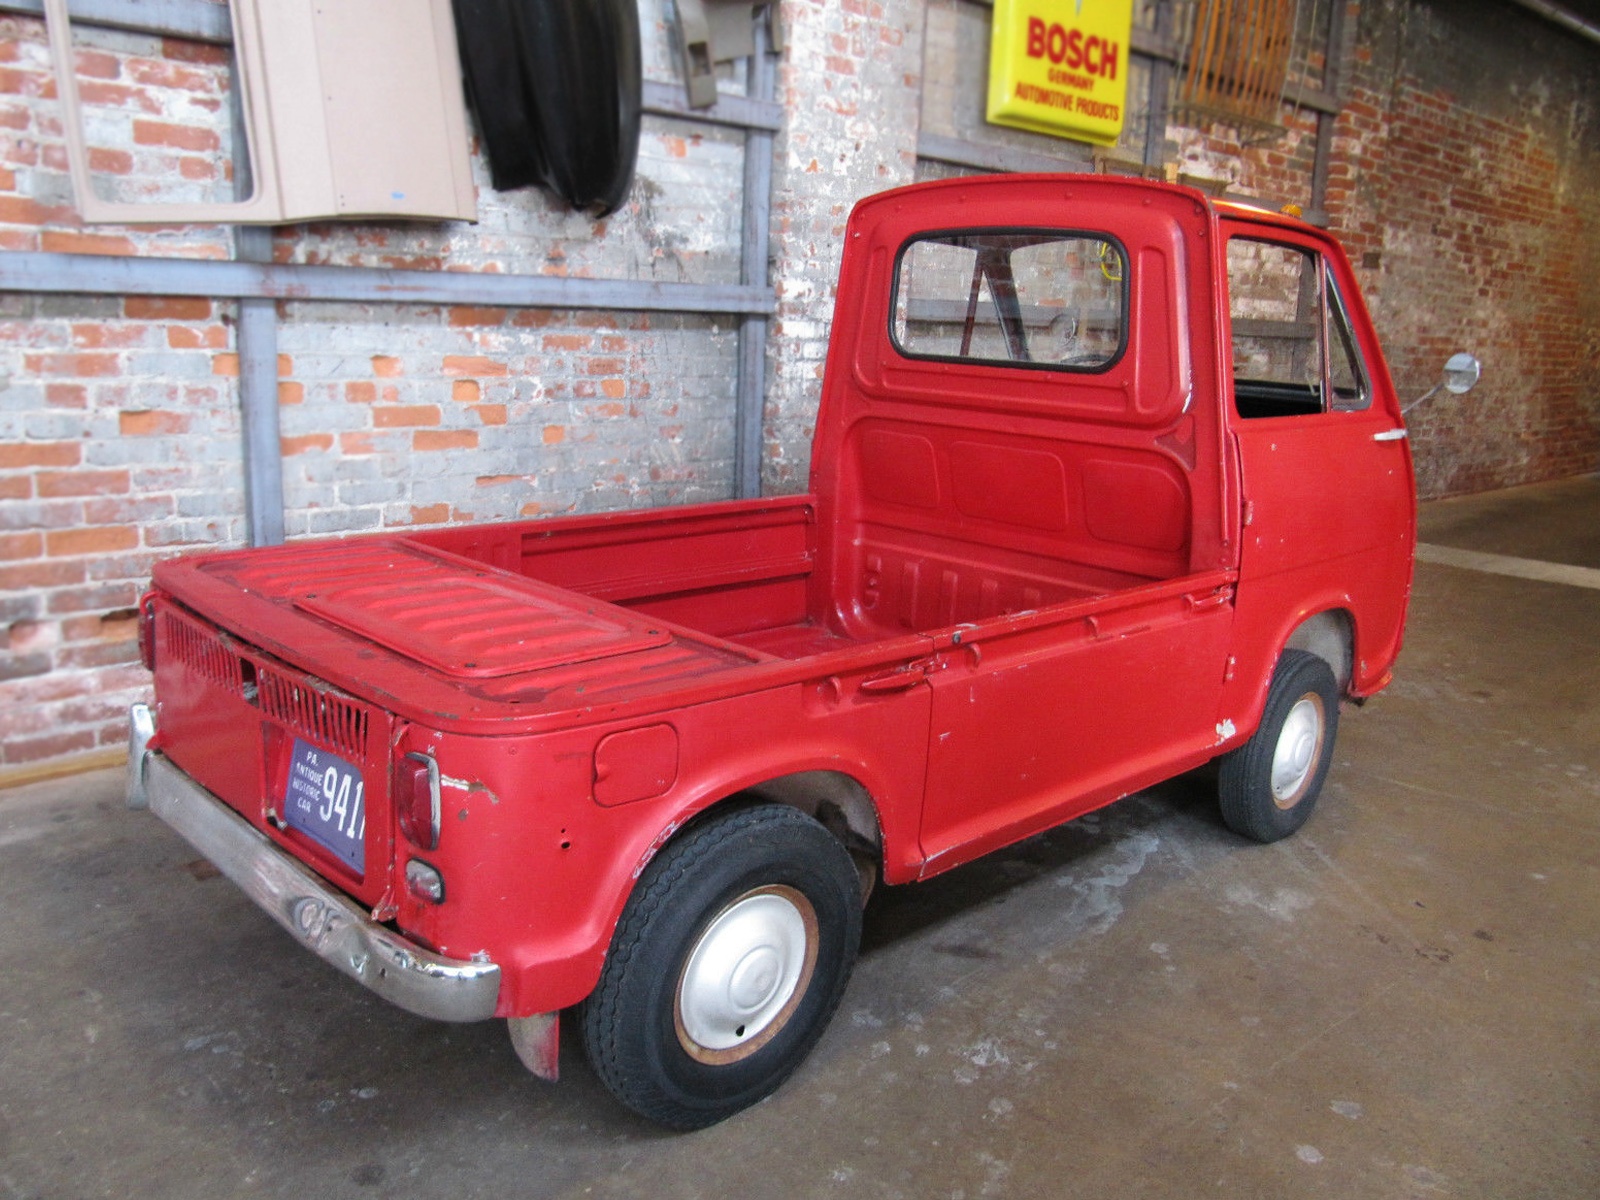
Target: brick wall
{"points": [[1462, 171], [1468, 159]]}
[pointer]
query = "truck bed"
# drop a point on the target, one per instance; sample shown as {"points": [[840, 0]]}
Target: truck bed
{"points": [[748, 574]]}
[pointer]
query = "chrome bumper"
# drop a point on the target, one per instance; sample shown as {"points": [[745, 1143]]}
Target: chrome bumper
{"points": [[322, 920]]}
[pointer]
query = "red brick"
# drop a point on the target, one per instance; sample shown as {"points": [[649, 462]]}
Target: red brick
{"points": [[462, 317], [361, 391], [56, 745], [197, 337], [83, 483], [152, 421], [27, 83], [14, 546], [433, 514], [198, 169], [59, 241], [106, 161], [127, 510], [99, 94], [554, 434], [491, 414], [20, 210], [107, 335], [310, 441], [291, 393], [96, 597], [40, 454], [472, 364], [466, 391], [405, 415], [194, 52], [167, 308], [444, 439], [97, 539], [359, 442], [163, 73], [72, 365], [179, 137], [41, 574], [386, 366], [96, 654]]}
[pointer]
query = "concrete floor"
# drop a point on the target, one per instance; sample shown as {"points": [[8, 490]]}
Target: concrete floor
{"points": [[1402, 1001]]}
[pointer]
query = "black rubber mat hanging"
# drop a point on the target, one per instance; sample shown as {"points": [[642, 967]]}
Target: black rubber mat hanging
{"points": [[555, 85]]}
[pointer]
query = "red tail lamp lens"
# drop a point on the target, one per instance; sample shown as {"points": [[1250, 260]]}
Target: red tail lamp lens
{"points": [[416, 796]]}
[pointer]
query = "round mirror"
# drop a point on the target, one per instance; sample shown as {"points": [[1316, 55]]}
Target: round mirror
{"points": [[1461, 373]]}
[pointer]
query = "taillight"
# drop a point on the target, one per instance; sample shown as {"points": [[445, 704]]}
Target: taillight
{"points": [[147, 632], [416, 797]]}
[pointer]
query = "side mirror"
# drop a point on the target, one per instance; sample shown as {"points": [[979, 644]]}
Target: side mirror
{"points": [[1461, 374]]}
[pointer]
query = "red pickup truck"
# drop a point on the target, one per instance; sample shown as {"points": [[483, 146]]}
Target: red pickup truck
{"points": [[1109, 480]]}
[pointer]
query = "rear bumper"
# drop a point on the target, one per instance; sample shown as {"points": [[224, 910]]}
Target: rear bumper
{"points": [[321, 919]]}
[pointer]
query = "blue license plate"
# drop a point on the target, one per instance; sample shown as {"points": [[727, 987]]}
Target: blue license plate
{"points": [[323, 800]]}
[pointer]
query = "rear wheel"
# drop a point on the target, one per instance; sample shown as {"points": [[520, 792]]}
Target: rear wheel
{"points": [[1269, 785], [729, 960]]}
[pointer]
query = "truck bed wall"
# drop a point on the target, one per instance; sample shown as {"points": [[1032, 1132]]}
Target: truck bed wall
{"points": [[749, 571]]}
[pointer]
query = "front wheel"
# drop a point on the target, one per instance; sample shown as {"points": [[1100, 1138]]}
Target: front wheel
{"points": [[1269, 785], [728, 962]]}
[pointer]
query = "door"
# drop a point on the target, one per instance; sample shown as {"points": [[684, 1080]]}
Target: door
{"points": [[1326, 472]]}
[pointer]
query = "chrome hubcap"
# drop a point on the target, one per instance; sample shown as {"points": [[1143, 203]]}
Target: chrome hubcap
{"points": [[1295, 757], [746, 974]]}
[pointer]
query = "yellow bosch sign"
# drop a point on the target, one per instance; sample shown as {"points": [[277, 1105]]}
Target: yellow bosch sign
{"points": [[1061, 66]]}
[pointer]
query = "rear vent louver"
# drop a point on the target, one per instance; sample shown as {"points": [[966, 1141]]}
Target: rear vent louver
{"points": [[306, 706], [324, 717], [202, 651]]}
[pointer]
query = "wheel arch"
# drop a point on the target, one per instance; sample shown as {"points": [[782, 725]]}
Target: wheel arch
{"points": [[1330, 635], [1329, 632], [836, 800]]}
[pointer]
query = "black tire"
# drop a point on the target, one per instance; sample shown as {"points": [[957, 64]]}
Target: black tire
{"points": [[556, 86], [768, 889], [1269, 785]]}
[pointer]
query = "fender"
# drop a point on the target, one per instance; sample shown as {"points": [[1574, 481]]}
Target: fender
{"points": [[1305, 627]]}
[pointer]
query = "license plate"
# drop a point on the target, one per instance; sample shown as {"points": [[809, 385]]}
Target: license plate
{"points": [[323, 801]]}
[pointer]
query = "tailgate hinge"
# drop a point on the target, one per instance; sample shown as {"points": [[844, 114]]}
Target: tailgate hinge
{"points": [[902, 678]]}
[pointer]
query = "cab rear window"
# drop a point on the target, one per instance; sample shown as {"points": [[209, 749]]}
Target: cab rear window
{"points": [[1022, 298]]}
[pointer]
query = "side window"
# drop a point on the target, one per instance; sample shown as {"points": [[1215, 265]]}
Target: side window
{"points": [[1038, 299], [1293, 349]]}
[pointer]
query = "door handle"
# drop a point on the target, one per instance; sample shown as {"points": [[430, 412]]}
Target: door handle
{"points": [[1390, 435]]}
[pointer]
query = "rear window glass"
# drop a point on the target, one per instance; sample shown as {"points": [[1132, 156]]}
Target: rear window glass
{"points": [[1043, 299]]}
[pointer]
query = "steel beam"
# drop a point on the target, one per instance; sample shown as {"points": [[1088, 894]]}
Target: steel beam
{"points": [[740, 112], [750, 408], [258, 401], [959, 152], [116, 275]]}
